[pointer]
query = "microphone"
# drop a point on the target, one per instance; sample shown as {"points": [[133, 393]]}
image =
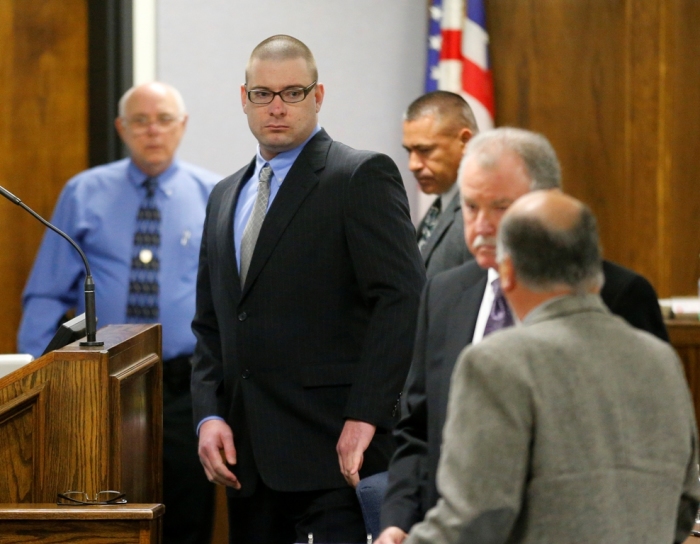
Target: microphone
{"points": [[90, 316]]}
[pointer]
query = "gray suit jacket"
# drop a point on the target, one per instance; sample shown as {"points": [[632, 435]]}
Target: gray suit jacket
{"points": [[446, 247], [581, 429]]}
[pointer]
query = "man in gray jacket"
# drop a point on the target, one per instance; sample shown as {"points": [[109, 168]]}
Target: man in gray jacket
{"points": [[574, 427]]}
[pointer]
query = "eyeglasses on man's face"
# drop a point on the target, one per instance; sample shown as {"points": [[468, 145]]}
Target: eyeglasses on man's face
{"points": [[290, 95], [80, 498], [140, 124]]}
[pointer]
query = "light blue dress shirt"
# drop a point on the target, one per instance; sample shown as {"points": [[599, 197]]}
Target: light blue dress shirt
{"points": [[98, 209], [280, 164]]}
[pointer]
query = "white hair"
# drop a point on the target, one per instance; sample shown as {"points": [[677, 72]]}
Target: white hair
{"points": [[179, 102]]}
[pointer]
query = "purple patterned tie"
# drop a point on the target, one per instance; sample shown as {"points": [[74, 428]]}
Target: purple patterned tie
{"points": [[500, 316]]}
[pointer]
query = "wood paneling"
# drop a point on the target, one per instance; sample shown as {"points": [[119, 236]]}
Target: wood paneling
{"points": [[85, 420], [682, 153], [685, 338], [53, 524], [43, 129], [615, 86]]}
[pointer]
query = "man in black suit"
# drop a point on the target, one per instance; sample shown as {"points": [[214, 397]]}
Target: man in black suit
{"points": [[499, 166], [307, 296], [436, 128]]}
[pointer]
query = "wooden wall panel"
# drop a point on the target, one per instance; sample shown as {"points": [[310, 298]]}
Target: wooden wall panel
{"points": [[682, 150], [43, 129], [614, 85]]}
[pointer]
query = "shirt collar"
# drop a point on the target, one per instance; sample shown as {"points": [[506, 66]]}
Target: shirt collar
{"points": [[493, 275], [282, 162], [447, 196], [137, 176]]}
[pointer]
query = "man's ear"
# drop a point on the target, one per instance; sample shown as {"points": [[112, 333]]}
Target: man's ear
{"points": [[465, 135], [244, 96], [506, 272]]}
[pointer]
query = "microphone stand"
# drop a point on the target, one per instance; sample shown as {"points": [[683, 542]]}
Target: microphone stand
{"points": [[90, 315]]}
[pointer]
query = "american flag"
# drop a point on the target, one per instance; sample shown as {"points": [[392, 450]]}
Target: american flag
{"points": [[458, 57]]}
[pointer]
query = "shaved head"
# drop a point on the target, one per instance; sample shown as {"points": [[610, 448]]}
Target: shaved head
{"points": [[449, 108], [282, 47]]}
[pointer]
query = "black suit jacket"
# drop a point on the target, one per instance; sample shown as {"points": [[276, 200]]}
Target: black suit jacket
{"points": [[446, 247], [323, 328], [446, 321]]}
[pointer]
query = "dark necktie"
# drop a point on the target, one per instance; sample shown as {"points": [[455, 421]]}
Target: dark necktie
{"points": [[500, 316], [257, 216], [142, 305], [431, 219]]}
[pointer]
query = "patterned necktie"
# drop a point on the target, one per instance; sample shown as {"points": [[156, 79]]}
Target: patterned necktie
{"points": [[142, 305], [431, 219], [500, 316], [257, 216]]}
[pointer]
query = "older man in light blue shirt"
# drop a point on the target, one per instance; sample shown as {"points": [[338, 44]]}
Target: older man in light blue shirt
{"points": [[98, 208]]}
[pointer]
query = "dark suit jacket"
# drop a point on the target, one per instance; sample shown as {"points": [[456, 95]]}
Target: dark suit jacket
{"points": [[446, 321], [446, 247], [323, 328]]}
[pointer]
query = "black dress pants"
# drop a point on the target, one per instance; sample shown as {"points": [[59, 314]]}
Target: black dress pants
{"points": [[276, 517], [187, 494]]}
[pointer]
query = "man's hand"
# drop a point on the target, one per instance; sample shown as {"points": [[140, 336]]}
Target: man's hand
{"points": [[215, 450], [391, 535], [351, 447]]}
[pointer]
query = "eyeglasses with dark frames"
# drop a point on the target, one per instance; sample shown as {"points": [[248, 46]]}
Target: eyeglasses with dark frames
{"points": [[290, 95], [80, 498]]}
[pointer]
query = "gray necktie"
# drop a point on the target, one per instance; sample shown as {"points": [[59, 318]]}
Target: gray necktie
{"points": [[252, 229], [429, 223]]}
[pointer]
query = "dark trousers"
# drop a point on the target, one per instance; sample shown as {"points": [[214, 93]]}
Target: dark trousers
{"points": [[277, 517], [187, 494]]}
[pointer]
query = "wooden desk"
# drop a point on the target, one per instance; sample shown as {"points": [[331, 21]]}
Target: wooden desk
{"points": [[53, 524], [685, 338]]}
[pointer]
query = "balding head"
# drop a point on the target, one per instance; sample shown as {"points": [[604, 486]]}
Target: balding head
{"points": [[151, 123], [551, 240], [154, 87]]}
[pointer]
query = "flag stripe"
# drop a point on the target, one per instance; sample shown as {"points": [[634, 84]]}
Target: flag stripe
{"points": [[451, 45], [476, 12], [479, 84], [475, 43]]}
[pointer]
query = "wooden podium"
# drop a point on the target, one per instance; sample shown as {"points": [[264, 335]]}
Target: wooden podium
{"points": [[685, 338], [84, 419]]}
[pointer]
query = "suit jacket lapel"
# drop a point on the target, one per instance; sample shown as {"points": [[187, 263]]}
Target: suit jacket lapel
{"points": [[447, 217], [300, 181], [224, 230], [461, 331]]}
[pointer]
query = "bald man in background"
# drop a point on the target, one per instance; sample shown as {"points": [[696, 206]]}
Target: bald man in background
{"points": [[550, 435], [139, 222]]}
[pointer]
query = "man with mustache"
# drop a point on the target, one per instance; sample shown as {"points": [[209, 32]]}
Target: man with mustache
{"points": [[457, 309], [574, 427]]}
